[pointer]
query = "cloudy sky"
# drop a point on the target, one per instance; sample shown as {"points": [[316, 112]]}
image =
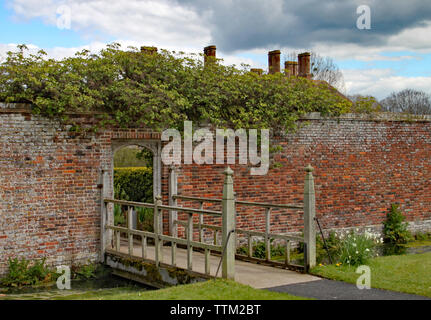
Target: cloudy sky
{"points": [[394, 54]]}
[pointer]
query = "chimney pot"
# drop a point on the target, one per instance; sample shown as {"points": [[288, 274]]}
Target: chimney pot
{"points": [[257, 71], [209, 54], [148, 50], [304, 65], [274, 61], [291, 68]]}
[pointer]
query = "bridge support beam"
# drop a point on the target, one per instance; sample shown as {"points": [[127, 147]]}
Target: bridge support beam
{"points": [[228, 223], [309, 217]]}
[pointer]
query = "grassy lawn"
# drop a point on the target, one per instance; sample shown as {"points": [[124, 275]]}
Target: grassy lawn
{"points": [[209, 290], [404, 273]]}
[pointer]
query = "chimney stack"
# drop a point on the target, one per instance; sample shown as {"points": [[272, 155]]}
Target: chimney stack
{"points": [[210, 54], [274, 61], [148, 50], [257, 71], [304, 65], [291, 68]]}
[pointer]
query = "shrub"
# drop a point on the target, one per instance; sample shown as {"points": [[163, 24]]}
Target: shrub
{"points": [[133, 184], [394, 229], [131, 88], [22, 273]]}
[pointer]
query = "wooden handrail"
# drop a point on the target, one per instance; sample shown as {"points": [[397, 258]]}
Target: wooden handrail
{"points": [[240, 202], [163, 207]]}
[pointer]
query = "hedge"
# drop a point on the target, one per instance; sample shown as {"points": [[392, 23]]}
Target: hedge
{"points": [[133, 184]]}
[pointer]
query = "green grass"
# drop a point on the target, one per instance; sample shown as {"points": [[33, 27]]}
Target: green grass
{"points": [[209, 290], [404, 273]]}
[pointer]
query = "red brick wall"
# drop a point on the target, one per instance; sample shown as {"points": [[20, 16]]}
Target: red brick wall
{"points": [[50, 199], [50, 188], [361, 166]]}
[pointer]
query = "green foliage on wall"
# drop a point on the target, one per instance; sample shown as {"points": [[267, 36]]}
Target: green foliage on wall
{"points": [[133, 184], [130, 88]]}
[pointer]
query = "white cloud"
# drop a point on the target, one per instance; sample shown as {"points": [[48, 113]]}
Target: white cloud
{"points": [[381, 82], [162, 23]]}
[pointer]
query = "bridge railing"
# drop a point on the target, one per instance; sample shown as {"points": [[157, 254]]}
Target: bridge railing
{"points": [[267, 235], [111, 234], [308, 208]]}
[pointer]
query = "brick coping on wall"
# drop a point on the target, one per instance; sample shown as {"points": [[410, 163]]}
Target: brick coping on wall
{"points": [[380, 116]]}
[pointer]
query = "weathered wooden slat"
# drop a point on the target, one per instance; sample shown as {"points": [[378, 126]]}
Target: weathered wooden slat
{"points": [[178, 196], [250, 245], [117, 240], [267, 231], [203, 225], [135, 232], [174, 253], [191, 210], [194, 244], [130, 227], [271, 235], [201, 221], [287, 254], [246, 203], [144, 246], [156, 226], [207, 261], [130, 203], [189, 240]]}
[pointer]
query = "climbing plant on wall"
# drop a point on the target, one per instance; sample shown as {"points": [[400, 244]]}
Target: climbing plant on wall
{"points": [[131, 88]]}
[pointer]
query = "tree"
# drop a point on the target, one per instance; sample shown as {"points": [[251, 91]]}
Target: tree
{"points": [[409, 101], [323, 68], [364, 104]]}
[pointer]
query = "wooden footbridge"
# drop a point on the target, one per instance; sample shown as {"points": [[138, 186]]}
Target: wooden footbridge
{"points": [[160, 259]]}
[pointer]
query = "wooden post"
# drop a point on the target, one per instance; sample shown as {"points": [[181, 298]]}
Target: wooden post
{"points": [[267, 231], [129, 228], [157, 231], [144, 247], [309, 215], [250, 245], [207, 261], [201, 221], [105, 235], [173, 189], [228, 224], [189, 240]]}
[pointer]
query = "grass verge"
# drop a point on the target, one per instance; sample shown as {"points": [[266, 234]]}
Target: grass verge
{"points": [[404, 273], [209, 290]]}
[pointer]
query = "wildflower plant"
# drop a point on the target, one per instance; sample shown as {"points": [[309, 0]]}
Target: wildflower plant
{"points": [[356, 249]]}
